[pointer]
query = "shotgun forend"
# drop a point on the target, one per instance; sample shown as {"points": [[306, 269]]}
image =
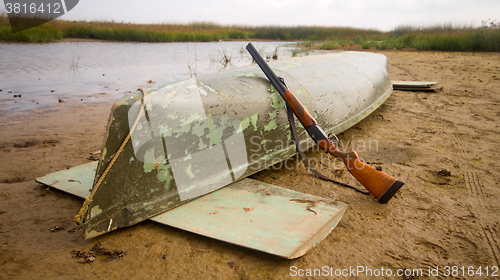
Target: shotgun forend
{"points": [[380, 185]]}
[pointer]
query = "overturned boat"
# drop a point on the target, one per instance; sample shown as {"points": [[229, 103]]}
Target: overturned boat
{"points": [[169, 145]]}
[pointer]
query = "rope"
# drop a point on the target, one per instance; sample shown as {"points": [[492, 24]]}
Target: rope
{"points": [[81, 215]]}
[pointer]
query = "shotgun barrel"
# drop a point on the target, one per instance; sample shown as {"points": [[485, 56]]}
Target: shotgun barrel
{"points": [[380, 185]]}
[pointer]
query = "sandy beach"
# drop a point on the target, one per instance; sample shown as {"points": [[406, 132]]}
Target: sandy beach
{"points": [[438, 219]]}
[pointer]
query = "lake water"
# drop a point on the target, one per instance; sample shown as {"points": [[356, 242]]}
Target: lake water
{"points": [[41, 74]]}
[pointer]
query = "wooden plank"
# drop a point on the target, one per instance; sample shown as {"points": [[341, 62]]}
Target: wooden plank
{"points": [[247, 213], [77, 180], [415, 86], [412, 84], [260, 216], [418, 89]]}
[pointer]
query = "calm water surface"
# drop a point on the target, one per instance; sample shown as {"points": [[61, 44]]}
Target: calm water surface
{"points": [[95, 71]]}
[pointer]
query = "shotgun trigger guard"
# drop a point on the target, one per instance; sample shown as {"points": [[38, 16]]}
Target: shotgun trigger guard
{"points": [[334, 142], [282, 81]]}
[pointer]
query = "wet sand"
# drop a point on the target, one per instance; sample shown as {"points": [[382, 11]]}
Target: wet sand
{"points": [[434, 220]]}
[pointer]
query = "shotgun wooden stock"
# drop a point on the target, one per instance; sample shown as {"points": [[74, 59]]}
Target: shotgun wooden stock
{"points": [[380, 185]]}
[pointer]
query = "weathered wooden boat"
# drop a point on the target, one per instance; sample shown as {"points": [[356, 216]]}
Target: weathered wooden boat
{"points": [[196, 136]]}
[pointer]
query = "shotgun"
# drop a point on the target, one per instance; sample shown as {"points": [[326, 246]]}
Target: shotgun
{"points": [[382, 186]]}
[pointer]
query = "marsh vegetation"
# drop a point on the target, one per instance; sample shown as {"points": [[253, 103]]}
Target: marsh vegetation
{"points": [[444, 36]]}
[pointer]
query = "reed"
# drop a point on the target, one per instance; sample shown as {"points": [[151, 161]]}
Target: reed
{"points": [[307, 44], [447, 36], [309, 33], [225, 57], [39, 34], [196, 31], [328, 45], [73, 60], [443, 36], [487, 40]]}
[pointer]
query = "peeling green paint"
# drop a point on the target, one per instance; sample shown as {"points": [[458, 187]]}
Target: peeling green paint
{"points": [[216, 133], [165, 132], [164, 173], [202, 145], [272, 122], [271, 125], [172, 116], [149, 205], [249, 74], [276, 101], [149, 160], [96, 211], [254, 119], [189, 171], [181, 130], [164, 105], [194, 116], [199, 128], [245, 123], [289, 136], [167, 186]]}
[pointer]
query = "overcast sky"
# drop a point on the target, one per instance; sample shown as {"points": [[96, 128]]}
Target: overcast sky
{"points": [[380, 14]]}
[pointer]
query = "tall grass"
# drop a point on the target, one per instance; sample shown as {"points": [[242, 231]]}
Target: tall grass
{"points": [[309, 33], [444, 36], [328, 45], [478, 40], [38, 34], [191, 32], [438, 28]]}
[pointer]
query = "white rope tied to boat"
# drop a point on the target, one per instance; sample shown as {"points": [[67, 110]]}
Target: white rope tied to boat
{"points": [[81, 215]]}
